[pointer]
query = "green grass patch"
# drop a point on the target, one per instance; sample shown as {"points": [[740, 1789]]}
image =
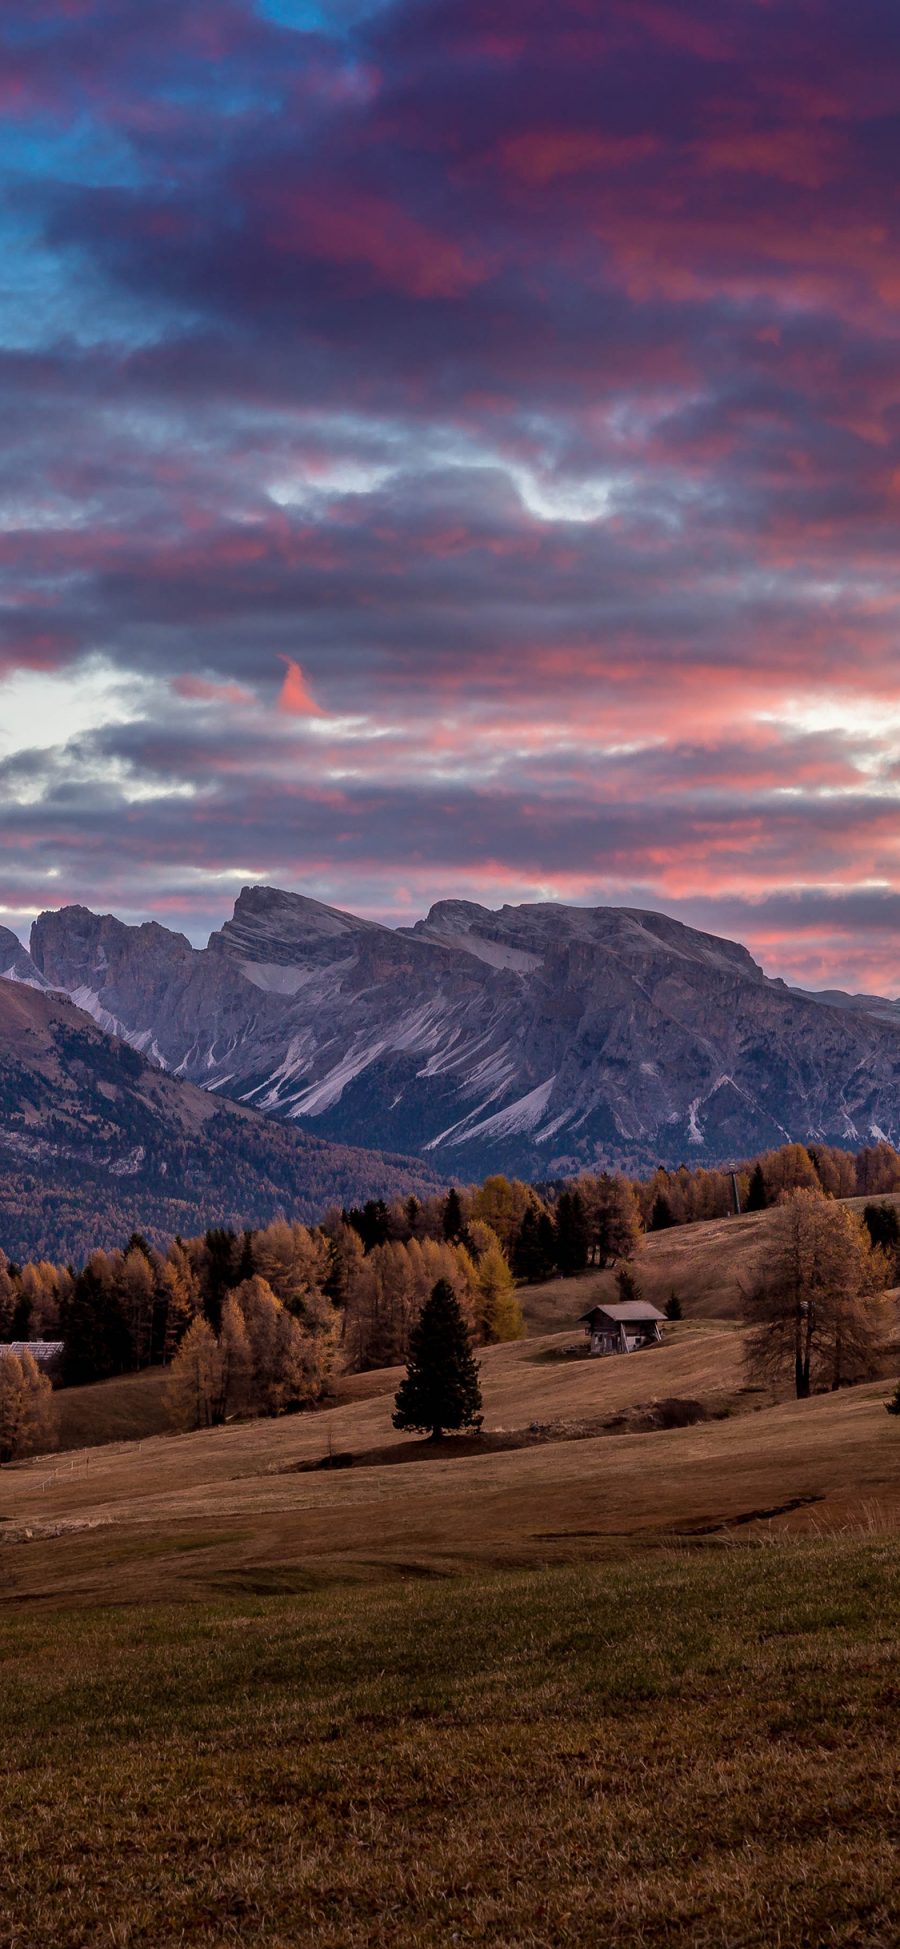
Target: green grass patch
{"points": [[698, 1747]]}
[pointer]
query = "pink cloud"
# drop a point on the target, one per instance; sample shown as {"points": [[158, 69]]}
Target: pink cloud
{"points": [[541, 155], [360, 228], [295, 698], [198, 689]]}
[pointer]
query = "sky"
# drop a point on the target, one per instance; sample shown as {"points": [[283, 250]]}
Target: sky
{"points": [[451, 448]]}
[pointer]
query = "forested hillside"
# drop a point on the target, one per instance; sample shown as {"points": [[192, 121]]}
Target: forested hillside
{"points": [[96, 1143]]}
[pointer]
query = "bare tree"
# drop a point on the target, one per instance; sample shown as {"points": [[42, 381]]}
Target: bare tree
{"points": [[815, 1312]]}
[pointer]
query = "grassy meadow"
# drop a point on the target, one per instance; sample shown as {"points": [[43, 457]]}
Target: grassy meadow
{"points": [[590, 1678], [697, 1745]]}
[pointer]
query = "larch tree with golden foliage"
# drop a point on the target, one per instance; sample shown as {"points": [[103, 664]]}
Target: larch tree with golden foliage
{"points": [[27, 1419], [499, 1315], [194, 1385], [816, 1312], [262, 1360]]}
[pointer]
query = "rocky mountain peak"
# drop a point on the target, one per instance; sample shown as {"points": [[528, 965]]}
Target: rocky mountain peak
{"points": [[539, 1038], [16, 963], [271, 925]]}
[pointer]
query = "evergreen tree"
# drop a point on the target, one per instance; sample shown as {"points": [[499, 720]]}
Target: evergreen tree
{"points": [[371, 1223], [757, 1199], [534, 1252], [96, 1336], [673, 1307], [893, 1405], [572, 1234], [662, 1215], [246, 1267], [883, 1226], [21, 1319], [440, 1391], [452, 1222], [221, 1271], [627, 1285], [138, 1243]]}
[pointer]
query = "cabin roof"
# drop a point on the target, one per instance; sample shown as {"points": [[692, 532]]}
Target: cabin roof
{"points": [[628, 1310], [38, 1349]]}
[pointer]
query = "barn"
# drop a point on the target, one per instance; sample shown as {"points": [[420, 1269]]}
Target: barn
{"points": [[622, 1328]]}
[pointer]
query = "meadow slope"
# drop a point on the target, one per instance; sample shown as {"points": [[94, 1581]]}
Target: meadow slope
{"points": [[200, 1512], [709, 1265], [566, 1683]]}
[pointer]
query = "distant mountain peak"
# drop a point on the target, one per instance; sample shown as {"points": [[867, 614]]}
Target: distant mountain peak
{"points": [[540, 1038], [16, 963]]}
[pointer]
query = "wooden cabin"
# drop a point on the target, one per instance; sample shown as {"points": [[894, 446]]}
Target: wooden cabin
{"points": [[623, 1328]]}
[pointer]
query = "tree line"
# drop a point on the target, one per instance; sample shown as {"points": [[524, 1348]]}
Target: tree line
{"points": [[352, 1288]]}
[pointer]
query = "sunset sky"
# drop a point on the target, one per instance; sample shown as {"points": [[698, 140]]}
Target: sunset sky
{"points": [[454, 450]]}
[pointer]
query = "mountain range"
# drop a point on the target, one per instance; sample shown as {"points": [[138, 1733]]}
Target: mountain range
{"points": [[96, 1142], [539, 1039]]}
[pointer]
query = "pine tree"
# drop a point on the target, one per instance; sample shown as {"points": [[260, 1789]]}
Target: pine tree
{"points": [[674, 1308], [627, 1285], [97, 1340], [572, 1234], [534, 1252], [246, 1267], [440, 1390], [662, 1216], [883, 1227], [221, 1254], [757, 1198], [452, 1222]]}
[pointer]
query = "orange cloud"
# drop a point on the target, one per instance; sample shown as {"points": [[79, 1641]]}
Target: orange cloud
{"points": [[295, 698]]}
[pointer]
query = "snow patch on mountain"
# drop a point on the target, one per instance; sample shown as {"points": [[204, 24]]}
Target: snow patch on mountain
{"points": [[143, 1040], [517, 1117]]}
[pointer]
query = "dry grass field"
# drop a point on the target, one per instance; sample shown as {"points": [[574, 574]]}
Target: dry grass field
{"points": [[705, 1264], [564, 1470], [691, 1747], [312, 1684], [125, 1409]]}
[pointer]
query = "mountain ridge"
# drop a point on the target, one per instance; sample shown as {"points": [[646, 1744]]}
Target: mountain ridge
{"points": [[96, 1142], [540, 1039]]}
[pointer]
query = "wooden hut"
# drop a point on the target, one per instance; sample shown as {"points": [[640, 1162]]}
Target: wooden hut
{"points": [[622, 1328]]}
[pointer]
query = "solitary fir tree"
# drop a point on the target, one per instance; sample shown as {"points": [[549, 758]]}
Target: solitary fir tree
{"points": [[673, 1307], [440, 1392]]}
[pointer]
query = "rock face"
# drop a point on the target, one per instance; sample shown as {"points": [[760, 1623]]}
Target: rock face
{"points": [[96, 1142], [538, 1039], [16, 963]]}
